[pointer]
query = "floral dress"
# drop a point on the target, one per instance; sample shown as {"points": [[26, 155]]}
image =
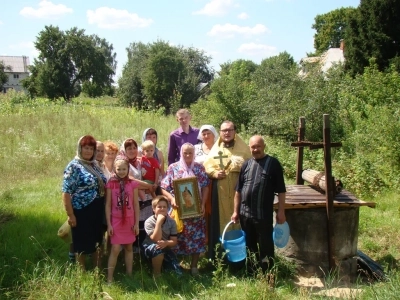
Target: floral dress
{"points": [[192, 239]]}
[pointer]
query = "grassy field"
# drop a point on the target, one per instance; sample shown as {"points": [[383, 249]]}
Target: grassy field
{"points": [[39, 139]]}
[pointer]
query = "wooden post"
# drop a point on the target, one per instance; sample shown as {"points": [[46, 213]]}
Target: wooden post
{"points": [[329, 192], [300, 150]]}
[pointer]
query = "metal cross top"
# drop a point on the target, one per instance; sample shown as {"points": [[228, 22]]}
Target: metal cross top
{"points": [[220, 157]]}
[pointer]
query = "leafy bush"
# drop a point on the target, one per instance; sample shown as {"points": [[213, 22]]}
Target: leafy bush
{"points": [[208, 111], [14, 97]]}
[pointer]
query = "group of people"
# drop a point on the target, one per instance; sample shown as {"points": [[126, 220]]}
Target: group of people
{"points": [[126, 192]]}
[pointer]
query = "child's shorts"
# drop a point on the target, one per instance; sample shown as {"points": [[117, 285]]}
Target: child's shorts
{"points": [[170, 262]]}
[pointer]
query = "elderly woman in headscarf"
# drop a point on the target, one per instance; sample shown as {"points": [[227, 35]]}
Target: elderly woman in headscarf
{"points": [[208, 136], [83, 197], [191, 241]]}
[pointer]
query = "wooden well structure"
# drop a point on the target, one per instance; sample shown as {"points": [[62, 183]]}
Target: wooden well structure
{"points": [[323, 221]]}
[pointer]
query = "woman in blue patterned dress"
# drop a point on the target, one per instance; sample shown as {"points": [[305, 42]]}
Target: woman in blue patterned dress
{"points": [[191, 241], [83, 198]]}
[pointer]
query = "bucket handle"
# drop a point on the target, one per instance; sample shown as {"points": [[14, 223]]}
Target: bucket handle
{"points": [[223, 233]]}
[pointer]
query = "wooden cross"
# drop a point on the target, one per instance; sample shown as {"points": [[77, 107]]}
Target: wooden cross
{"points": [[220, 157], [326, 145]]}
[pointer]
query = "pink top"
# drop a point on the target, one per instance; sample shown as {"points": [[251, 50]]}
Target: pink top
{"points": [[116, 202]]}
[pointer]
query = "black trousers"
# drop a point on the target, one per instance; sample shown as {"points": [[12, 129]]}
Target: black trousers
{"points": [[259, 241]]}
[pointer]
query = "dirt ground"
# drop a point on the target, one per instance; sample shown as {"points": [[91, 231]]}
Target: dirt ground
{"points": [[317, 286]]}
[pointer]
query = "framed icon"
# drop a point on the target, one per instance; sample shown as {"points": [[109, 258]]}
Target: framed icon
{"points": [[187, 197]]}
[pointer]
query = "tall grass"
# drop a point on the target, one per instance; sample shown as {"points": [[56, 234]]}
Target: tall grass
{"points": [[39, 138]]}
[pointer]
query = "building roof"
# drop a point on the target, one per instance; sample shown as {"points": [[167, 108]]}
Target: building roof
{"points": [[331, 57], [310, 60], [326, 60], [18, 64]]}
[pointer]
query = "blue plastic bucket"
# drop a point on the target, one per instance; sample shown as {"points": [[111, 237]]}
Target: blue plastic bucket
{"points": [[234, 243]]}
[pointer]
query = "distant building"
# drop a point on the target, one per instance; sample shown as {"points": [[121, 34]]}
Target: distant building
{"points": [[19, 70], [325, 61]]}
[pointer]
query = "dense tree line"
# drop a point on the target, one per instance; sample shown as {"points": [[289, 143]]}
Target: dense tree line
{"points": [[158, 75], [364, 113]]}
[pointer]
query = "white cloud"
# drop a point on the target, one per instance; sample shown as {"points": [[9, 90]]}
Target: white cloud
{"points": [[215, 8], [24, 48], [254, 49], [46, 10], [243, 16], [111, 18], [229, 30]]}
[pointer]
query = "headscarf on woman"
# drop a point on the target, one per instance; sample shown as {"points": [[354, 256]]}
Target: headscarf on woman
{"points": [[187, 170], [208, 127], [144, 138], [89, 164]]}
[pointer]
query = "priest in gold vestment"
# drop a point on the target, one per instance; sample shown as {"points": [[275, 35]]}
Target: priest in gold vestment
{"points": [[223, 166]]}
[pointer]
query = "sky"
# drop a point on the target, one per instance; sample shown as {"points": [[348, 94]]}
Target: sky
{"points": [[226, 30]]}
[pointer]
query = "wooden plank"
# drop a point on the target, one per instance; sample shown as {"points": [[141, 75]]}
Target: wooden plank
{"points": [[305, 196], [323, 205]]}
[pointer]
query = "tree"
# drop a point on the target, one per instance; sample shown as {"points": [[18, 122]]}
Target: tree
{"points": [[3, 75], [278, 96], [234, 88], [160, 75], [164, 69], [68, 59], [101, 82], [330, 29], [373, 32], [129, 84]]}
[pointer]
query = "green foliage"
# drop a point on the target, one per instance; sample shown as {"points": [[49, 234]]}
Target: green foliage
{"points": [[234, 88], [160, 78], [268, 99], [14, 97], [321, 96], [3, 75], [160, 75], [373, 32], [68, 59], [208, 111], [330, 29], [278, 90], [93, 90]]}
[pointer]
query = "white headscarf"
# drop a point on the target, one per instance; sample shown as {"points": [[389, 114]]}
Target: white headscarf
{"points": [[209, 127], [187, 169]]}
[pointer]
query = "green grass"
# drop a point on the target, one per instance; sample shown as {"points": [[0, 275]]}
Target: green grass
{"points": [[38, 140]]}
